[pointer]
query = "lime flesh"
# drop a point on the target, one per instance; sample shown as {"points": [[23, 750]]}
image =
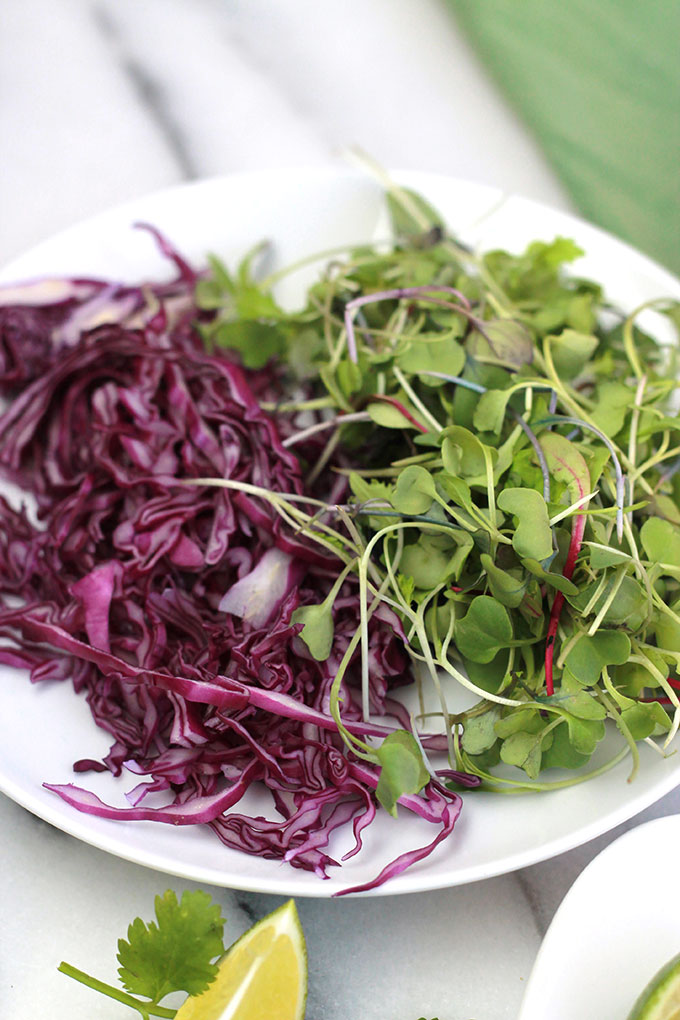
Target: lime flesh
{"points": [[661, 998], [262, 977]]}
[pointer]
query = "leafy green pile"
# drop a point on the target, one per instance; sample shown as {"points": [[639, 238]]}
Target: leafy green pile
{"points": [[511, 448]]}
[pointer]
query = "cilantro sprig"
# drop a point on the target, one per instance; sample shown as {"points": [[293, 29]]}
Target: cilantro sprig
{"points": [[512, 451], [174, 953]]}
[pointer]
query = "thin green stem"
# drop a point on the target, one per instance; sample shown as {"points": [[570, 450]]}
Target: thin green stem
{"points": [[146, 1009]]}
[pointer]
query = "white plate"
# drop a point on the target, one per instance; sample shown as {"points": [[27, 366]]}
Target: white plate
{"points": [[44, 728], [616, 927]]}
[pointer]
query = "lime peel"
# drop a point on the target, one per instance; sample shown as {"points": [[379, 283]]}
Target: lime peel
{"points": [[660, 1000]]}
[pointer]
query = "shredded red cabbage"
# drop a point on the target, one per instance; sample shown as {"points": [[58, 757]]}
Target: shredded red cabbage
{"points": [[169, 606]]}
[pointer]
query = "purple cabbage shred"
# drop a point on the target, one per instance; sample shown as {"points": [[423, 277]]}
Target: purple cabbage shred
{"points": [[168, 607]]}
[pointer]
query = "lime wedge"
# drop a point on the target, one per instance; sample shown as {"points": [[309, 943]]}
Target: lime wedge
{"points": [[261, 977], [661, 998]]}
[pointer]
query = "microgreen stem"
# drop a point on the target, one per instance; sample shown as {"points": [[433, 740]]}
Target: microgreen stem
{"points": [[317, 404], [629, 339], [611, 595], [337, 422], [575, 543], [568, 511], [657, 458], [662, 681], [415, 399], [635, 419], [500, 784], [466, 383], [423, 293], [480, 692], [282, 503], [327, 452], [268, 282], [432, 669], [628, 737], [533, 439], [491, 500]]}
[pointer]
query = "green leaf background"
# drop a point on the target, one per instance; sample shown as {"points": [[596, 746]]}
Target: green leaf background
{"points": [[597, 82]]}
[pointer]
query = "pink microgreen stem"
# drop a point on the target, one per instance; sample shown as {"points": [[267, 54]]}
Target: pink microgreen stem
{"points": [[577, 533], [660, 700], [395, 295], [400, 407]]}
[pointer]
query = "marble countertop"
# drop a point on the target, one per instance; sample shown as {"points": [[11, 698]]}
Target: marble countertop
{"points": [[105, 100]]}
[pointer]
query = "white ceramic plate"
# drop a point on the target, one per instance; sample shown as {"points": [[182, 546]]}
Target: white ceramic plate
{"points": [[616, 927], [43, 729]]}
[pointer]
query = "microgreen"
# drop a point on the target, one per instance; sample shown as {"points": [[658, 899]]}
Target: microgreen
{"points": [[502, 416], [513, 494]]}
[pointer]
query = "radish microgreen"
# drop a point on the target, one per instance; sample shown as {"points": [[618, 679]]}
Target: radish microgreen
{"points": [[513, 491]]}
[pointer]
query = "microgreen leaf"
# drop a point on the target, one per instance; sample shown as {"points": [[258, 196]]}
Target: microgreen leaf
{"points": [[414, 492], [488, 676], [562, 754], [643, 720], [520, 720], [490, 412], [479, 733], [402, 769], [175, 954], [533, 535], [507, 588], [557, 581], [590, 655], [484, 630], [349, 377], [317, 632], [390, 416], [571, 351], [456, 489], [667, 630], [256, 342], [525, 750], [426, 355], [463, 452], [501, 342], [609, 556], [661, 541], [581, 704], [585, 734], [435, 558], [667, 507], [566, 463], [613, 400], [628, 606]]}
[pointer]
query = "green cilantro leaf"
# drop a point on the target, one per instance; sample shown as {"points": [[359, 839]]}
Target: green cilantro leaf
{"points": [[176, 953]]}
